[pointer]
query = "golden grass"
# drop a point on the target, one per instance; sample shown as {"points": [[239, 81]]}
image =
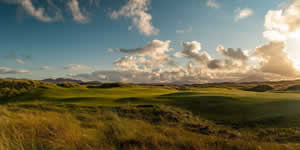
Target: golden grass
{"points": [[106, 130]]}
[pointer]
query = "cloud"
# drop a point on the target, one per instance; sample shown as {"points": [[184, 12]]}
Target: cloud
{"points": [[212, 4], [284, 23], [274, 59], [37, 12], [137, 11], [117, 76], [192, 50], [156, 48], [76, 12], [127, 63], [46, 68], [265, 63], [236, 54], [243, 13], [52, 10], [188, 30], [151, 55], [140, 66], [74, 67], [20, 61], [5, 70]]}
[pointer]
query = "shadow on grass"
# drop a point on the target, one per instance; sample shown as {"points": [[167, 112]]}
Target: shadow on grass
{"points": [[132, 100]]}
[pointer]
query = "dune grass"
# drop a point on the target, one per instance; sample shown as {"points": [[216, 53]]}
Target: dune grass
{"points": [[126, 128]]}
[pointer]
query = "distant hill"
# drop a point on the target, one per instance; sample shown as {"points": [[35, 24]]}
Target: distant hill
{"points": [[252, 78], [61, 80]]}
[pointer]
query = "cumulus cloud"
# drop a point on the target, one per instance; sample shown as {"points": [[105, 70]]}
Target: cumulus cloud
{"points": [[5, 70], [137, 11], [284, 23], [156, 48], [243, 13], [274, 59], [192, 50], [78, 16], [212, 4], [127, 63], [75, 67], [273, 64], [181, 75], [151, 55], [236, 54]]}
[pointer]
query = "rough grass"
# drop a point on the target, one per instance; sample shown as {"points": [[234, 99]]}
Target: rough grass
{"points": [[124, 128]]}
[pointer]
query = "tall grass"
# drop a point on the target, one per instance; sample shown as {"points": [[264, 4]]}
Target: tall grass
{"points": [[29, 129]]}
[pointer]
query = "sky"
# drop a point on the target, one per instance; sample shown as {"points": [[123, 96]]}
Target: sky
{"points": [[150, 41]]}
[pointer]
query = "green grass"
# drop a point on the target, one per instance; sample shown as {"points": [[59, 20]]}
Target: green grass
{"points": [[149, 117], [218, 104]]}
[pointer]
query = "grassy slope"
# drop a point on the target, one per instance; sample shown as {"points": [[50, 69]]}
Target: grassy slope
{"points": [[231, 106]]}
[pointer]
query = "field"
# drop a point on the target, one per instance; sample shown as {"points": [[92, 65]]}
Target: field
{"points": [[38, 115]]}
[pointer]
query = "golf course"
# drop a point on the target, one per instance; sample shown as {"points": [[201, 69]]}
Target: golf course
{"points": [[36, 115]]}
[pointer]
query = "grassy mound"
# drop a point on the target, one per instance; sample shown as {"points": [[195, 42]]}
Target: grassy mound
{"points": [[261, 88], [11, 88], [110, 85]]}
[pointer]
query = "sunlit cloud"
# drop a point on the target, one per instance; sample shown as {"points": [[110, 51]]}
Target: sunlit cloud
{"points": [[136, 10], [275, 59], [237, 54], [284, 23]]}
